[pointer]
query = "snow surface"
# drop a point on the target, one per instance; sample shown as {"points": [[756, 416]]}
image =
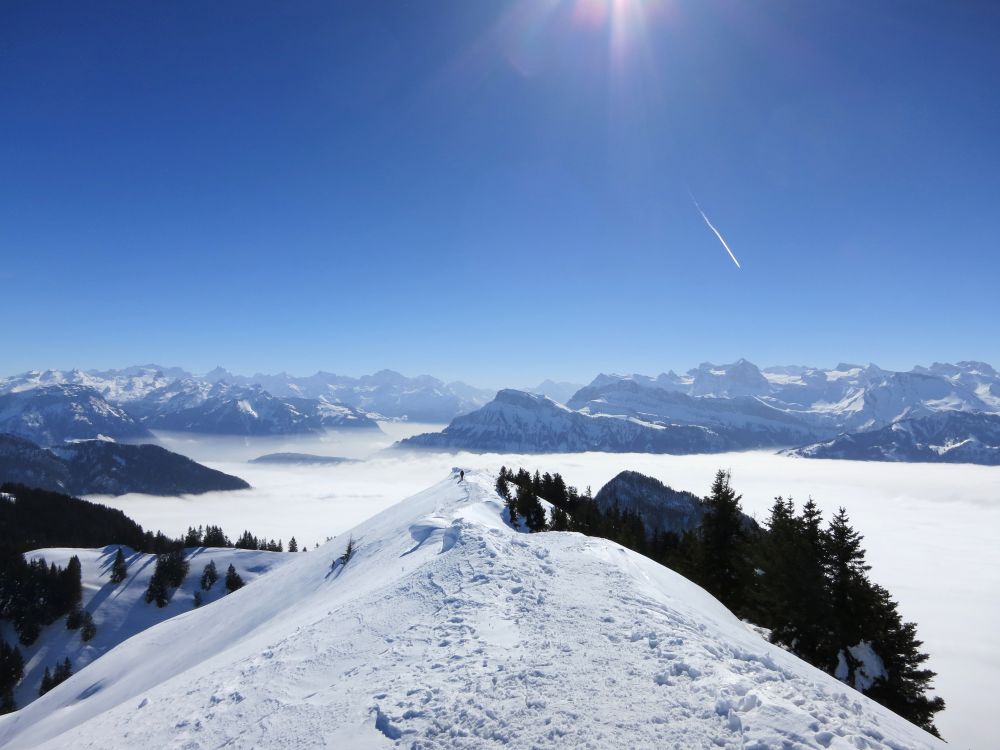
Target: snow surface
{"points": [[120, 610], [929, 529], [447, 628]]}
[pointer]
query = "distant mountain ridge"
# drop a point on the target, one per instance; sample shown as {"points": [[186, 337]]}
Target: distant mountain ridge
{"points": [[98, 467], [715, 408], [52, 414], [524, 422], [944, 437], [662, 509], [135, 399]]}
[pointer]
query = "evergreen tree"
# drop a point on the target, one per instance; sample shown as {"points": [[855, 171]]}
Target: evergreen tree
{"points": [[214, 537], [511, 505], [157, 590], [171, 569], [293, 546], [233, 580], [790, 594], [724, 567], [503, 486], [560, 520], [193, 538], [905, 683], [850, 593], [74, 619], [11, 672], [46, 685], [247, 541], [348, 553], [88, 629], [72, 578], [529, 507], [62, 672], [209, 576], [119, 569]]}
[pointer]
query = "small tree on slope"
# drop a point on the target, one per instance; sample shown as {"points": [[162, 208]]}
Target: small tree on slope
{"points": [[119, 568]]}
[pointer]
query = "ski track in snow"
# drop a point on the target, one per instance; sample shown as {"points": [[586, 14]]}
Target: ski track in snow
{"points": [[449, 629]]}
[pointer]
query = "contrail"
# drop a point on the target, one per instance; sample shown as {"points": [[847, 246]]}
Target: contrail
{"points": [[715, 230]]}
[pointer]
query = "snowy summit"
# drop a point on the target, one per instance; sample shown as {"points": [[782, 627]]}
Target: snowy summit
{"points": [[447, 627]]}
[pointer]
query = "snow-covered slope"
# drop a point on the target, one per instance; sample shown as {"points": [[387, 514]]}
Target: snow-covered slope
{"points": [[51, 414], [743, 421], [447, 628], [944, 437], [516, 421], [120, 610]]}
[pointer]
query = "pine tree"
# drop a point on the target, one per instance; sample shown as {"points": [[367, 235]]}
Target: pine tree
{"points": [[46, 683], [74, 619], [72, 577], [119, 568], [11, 672], [171, 569], [293, 546], [531, 508], [209, 576], [850, 593], [905, 683], [233, 580], [790, 594], [247, 541], [502, 486], [724, 567], [348, 553], [88, 629], [511, 504], [63, 672], [193, 538], [214, 537], [560, 520]]}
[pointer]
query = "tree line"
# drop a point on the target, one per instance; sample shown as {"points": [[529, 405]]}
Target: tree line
{"points": [[804, 580]]}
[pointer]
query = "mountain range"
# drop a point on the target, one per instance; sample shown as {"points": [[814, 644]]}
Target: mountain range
{"points": [[716, 408], [944, 437], [711, 408], [53, 406]]}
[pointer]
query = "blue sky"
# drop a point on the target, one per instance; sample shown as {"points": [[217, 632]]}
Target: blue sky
{"points": [[498, 191]]}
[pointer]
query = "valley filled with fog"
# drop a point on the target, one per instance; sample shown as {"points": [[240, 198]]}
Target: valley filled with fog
{"points": [[927, 528]]}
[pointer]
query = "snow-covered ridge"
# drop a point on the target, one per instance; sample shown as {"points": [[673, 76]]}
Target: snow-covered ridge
{"points": [[447, 628]]}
